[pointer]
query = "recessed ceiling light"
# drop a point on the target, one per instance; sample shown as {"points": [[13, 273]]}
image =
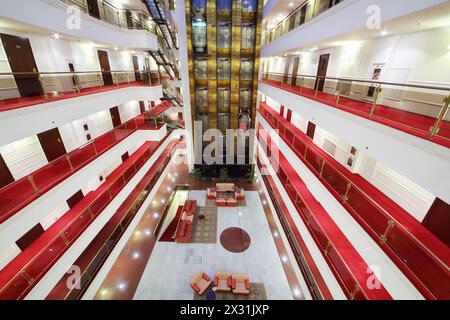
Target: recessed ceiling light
{"points": [[384, 32], [291, 4], [116, 48], [56, 36]]}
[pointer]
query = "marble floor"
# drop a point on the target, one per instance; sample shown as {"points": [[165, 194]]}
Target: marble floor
{"points": [[171, 265]]}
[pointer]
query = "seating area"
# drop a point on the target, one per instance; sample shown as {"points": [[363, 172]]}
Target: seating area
{"points": [[184, 228], [226, 194], [238, 284]]}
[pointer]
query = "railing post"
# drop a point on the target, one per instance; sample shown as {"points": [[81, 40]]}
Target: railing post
{"points": [[345, 196], [375, 99], [99, 81], [434, 130], [339, 91], [77, 83], [70, 162], [33, 184], [301, 85], [316, 87], [389, 227], [321, 168]]}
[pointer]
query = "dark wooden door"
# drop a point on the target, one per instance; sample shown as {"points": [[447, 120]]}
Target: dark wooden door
{"points": [[322, 71], [437, 220], [29, 237], [73, 200], [105, 67], [52, 144], [142, 106], [311, 130], [289, 115], [93, 8], [115, 116], [281, 110], [125, 156], [295, 71], [5, 175], [152, 104], [129, 17], [136, 68], [21, 59]]}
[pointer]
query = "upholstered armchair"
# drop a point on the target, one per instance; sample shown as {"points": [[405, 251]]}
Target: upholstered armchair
{"points": [[240, 283], [200, 282], [222, 281], [211, 193], [240, 194]]}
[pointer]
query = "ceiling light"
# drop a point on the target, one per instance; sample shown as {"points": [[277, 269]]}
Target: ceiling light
{"points": [[136, 255], [384, 33], [156, 215], [116, 48], [56, 36], [291, 4], [313, 49]]}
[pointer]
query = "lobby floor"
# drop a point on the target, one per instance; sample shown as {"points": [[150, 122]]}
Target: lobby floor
{"points": [[171, 265]]}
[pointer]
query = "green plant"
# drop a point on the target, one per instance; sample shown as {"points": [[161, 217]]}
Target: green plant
{"points": [[223, 174], [251, 174], [196, 173]]}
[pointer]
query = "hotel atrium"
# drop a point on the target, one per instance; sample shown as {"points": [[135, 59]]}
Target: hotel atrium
{"points": [[224, 150]]}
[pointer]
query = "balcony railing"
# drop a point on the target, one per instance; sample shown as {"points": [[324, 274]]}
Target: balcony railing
{"points": [[304, 13], [22, 192], [95, 255], [417, 252], [22, 89], [22, 274], [348, 267], [116, 16], [418, 110]]}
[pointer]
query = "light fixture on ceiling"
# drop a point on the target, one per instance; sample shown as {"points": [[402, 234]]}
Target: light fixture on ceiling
{"points": [[116, 48], [313, 49], [56, 36], [384, 33], [291, 4]]}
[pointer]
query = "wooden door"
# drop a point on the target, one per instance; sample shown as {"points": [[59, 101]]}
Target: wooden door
{"points": [[289, 115], [129, 17], [137, 74], [21, 60], [142, 106], [437, 220], [105, 67], [322, 71], [28, 238], [93, 8], [282, 110], [311, 130], [5, 175], [115, 116], [73, 200], [295, 71], [52, 144]]}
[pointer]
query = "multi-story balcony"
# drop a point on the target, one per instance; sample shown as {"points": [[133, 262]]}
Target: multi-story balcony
{"points": [[415, 109]]}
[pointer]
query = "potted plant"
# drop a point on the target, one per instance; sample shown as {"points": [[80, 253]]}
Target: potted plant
{"points": [[196, 173], [223, 175]]}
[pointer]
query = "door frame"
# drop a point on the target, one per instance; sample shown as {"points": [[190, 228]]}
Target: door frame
{"points": [[319, 85]]}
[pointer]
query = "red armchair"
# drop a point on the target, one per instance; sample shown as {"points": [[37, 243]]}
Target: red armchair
{"points": [[190, 206]]}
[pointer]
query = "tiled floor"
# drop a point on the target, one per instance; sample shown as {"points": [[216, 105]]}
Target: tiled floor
{"points": [[171, 265]]}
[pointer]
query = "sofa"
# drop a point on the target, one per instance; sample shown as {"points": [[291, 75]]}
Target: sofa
{"points": [[184, 231], [240, 284], [190, 206], [222, 281], [200, 282]]}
